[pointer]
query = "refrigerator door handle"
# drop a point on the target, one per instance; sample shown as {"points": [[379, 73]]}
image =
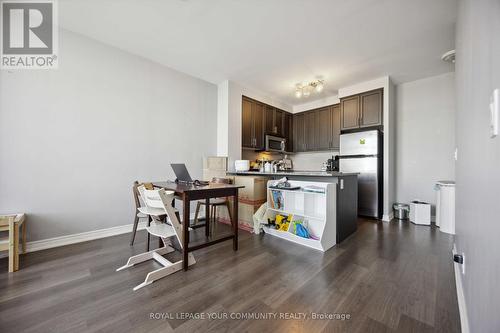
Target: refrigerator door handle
{"points": [[356, 156]]}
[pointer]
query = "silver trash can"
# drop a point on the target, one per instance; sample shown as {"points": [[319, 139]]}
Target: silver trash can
{"points": [[401, 211]]}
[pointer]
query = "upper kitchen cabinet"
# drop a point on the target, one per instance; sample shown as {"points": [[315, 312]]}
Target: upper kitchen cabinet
{"points": [[324, 128], [335, 127], [310, 131], [252, 124], [288, 130], [371, 108], [247, 137], [258, 125], [363, 110], [279, 122], [317, 130], [274, 121], [269, 117], [299, 132], [349, 112]]}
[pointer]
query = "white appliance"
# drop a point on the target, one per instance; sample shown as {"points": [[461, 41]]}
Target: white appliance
{"points": [[362, 152], [242, 165], [275, 144], [420, 212], [445, 206]]}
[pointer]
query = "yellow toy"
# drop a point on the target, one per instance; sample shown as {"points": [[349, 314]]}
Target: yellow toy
{"points": [[282, 222]]}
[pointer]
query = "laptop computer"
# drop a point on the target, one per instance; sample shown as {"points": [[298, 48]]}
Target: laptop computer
{"points": [[181, 172]]}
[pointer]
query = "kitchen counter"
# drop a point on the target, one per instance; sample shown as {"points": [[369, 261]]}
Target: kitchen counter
{"points": [[294, 173], [345, 185]]}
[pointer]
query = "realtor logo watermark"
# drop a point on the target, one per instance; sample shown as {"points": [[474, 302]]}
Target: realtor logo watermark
{"points": [[29, 35]]}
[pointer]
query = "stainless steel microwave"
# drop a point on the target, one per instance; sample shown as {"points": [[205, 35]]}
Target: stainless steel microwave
{"points": [[275, 144]]}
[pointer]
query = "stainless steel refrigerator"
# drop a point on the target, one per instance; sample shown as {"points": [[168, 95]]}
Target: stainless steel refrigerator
{"points": [[362, 152]]}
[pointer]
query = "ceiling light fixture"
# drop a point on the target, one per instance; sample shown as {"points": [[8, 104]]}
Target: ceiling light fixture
{"points": [[298, 91], [305, 90]]}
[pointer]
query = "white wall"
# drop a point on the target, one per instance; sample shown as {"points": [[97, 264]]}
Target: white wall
{"points": [[478, 164], [73, 140], [425, 136]]}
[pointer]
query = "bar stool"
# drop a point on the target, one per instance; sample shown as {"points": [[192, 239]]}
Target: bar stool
{"points": [[214, 203]]}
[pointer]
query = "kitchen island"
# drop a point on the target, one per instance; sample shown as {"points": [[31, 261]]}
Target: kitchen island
{"points": [[344, 202]]}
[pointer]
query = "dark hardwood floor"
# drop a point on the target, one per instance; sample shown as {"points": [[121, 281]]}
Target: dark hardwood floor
{"points": [[388, 277]]}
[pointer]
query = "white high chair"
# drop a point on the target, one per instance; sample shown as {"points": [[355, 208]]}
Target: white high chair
{"points": [[160, 200]]}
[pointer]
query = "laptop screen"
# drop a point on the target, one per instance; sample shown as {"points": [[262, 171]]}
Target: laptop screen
{"points": [[181, 172]]}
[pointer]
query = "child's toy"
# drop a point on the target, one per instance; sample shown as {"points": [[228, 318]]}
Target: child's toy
{"points": [[300, 230], [282, 222]]}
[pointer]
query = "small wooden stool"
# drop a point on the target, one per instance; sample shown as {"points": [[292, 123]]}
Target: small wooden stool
{"points": [[12, 223]]}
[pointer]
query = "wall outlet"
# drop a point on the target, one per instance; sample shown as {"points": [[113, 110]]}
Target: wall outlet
{"points": [[456, 154]]}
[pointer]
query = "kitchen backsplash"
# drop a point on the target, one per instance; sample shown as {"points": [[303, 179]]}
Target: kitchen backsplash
{"points": [[310, 161]]}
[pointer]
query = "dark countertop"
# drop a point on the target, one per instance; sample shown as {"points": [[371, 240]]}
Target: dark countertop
{"points": [[294, 173]]}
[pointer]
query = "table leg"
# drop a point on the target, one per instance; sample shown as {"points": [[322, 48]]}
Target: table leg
{"points": [[185, 232], [149, 235], [234, 220], [207, 219]]}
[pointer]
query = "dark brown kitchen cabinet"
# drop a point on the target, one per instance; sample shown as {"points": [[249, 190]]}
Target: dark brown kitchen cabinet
{"points": [[349, 112], [299, 132], [370, 108], [278, 122], [247, 137], [317, 130], [324, 128], [269, 116], [258, 123], [310, 131], [335, 127], [274, 121], [363, 110], [252, 124], [288, 130]]}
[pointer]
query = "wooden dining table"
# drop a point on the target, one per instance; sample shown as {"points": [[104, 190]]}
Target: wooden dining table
{"points": [[189, 192]]}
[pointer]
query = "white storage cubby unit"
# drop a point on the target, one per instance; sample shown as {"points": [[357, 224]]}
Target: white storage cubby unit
{"points": [[316, 209]]}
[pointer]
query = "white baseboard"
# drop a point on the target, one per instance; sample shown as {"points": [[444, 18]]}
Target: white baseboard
{"points": [[462, 308], [81, 237]]}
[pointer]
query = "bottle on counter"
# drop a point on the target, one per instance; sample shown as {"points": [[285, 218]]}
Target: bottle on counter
{"points": [[268, 167]]}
